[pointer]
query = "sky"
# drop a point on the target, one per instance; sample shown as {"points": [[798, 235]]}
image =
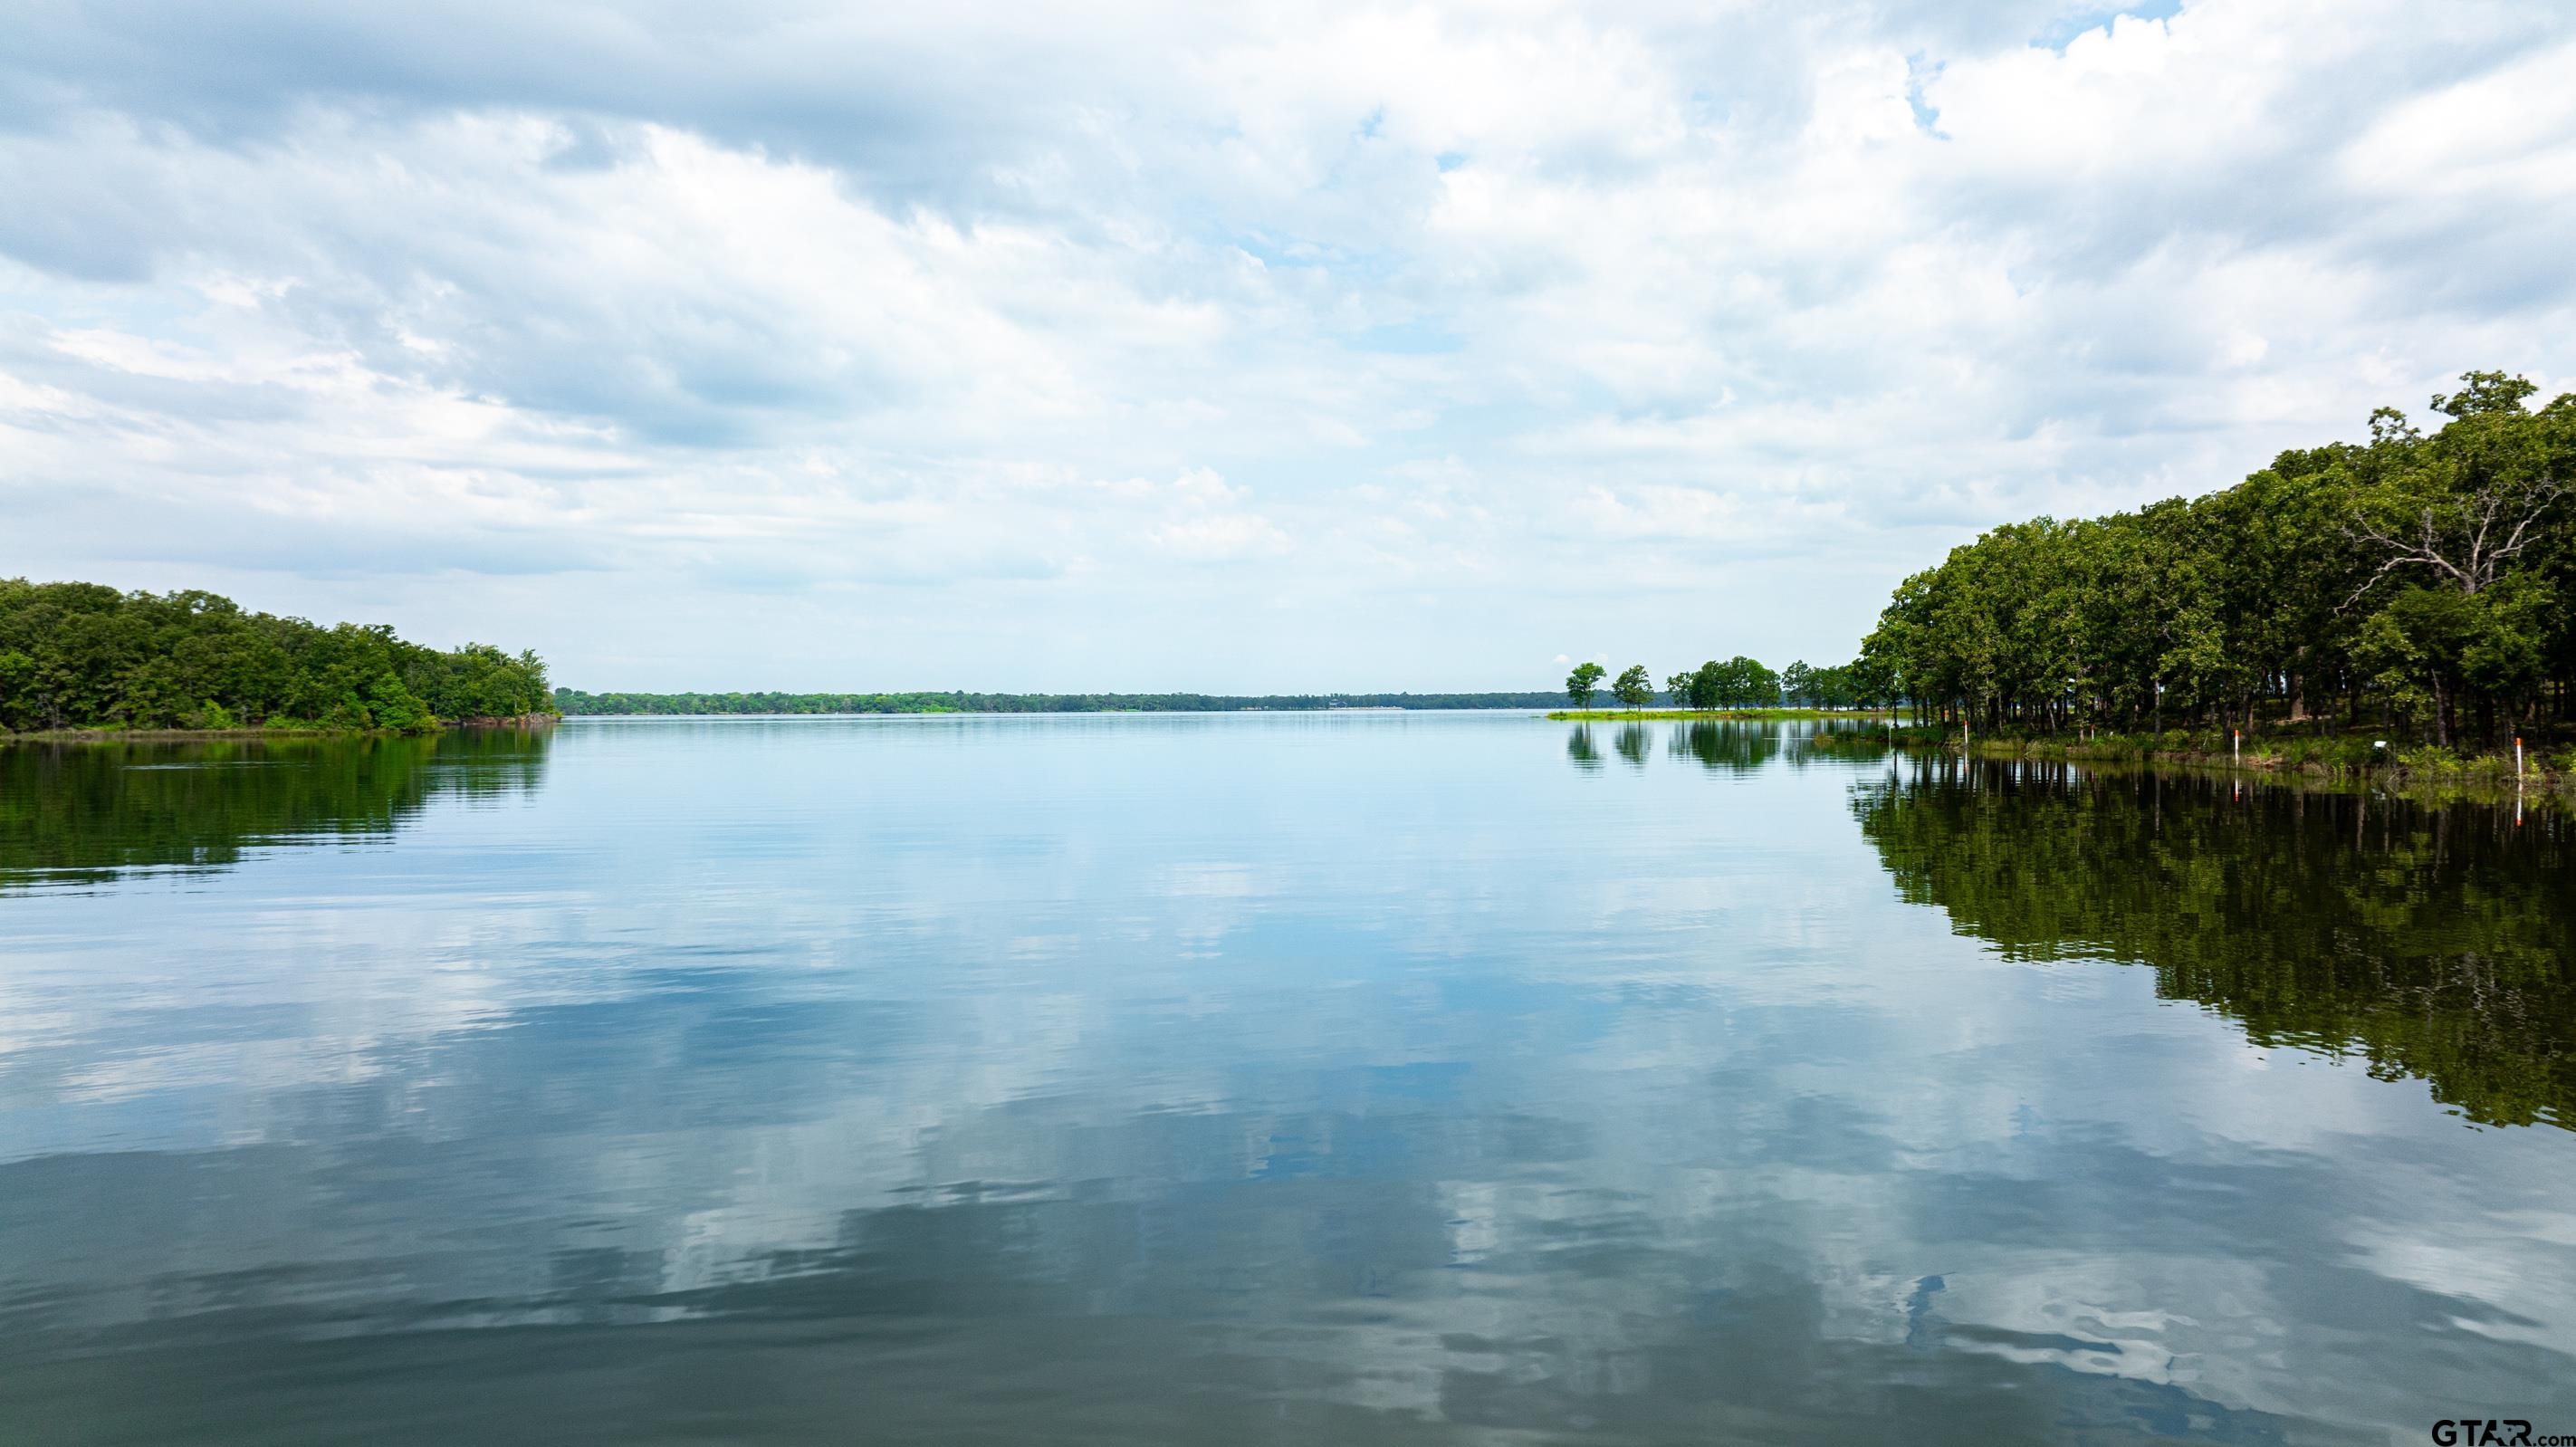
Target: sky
{"points": [[1239, 348]]}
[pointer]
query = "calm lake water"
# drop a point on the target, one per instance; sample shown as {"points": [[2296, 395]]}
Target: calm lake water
{"points": [[1285, 1078]]}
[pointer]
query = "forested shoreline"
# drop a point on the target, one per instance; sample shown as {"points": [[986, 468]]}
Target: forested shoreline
{"points": [[573, 702], [84, 656], [2417, 585]]}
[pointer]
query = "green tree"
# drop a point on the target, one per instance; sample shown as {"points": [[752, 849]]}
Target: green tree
{"points": [[1798, 682], [1634, 687], [1584, 682], [2425, 573], [1708, 686], [77, 654], [395, 707]]}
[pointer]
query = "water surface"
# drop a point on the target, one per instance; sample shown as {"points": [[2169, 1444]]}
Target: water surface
{"points": [[1435, 1078]]}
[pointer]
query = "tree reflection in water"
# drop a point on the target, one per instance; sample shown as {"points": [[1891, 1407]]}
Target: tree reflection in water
{"points": [[2432, 942], [85, 813]]}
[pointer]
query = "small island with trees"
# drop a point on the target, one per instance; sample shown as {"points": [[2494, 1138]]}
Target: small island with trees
{"points": [[84, 658], [1737, 687]]}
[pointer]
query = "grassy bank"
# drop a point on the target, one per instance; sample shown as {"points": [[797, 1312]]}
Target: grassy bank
{"points": [[1701, 715]]}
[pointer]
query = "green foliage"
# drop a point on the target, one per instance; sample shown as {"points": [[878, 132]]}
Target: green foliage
{"points": [[393, 706], [1584, 682], [1857, 684], [2431, 761], [1634, 688], [1739, 682], [2418, 576], [78, 655]]}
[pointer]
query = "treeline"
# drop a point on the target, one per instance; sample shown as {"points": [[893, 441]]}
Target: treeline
{"points": [[573, 701], [2417, 581], [1736, 683], [82, 655]]}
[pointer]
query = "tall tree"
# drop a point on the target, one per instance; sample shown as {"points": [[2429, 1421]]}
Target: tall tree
{"points": [[1708, 685], [1634, 687], [1798, 682], [1584, 682]]}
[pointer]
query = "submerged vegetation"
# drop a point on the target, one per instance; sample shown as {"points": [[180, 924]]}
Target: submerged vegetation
{"points": [[82, 656]]}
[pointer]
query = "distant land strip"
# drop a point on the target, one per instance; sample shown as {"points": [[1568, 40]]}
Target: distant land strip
{"points": [[574, 702]]}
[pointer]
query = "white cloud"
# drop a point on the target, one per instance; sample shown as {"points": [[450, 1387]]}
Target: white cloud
{"points": [[1413, 335]]}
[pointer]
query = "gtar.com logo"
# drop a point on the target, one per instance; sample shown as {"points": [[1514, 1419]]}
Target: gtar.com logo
{"points": [[2487, 1432]]}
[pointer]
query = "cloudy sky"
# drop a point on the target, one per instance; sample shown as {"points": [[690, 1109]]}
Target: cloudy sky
{"points": [[1227, 347]]}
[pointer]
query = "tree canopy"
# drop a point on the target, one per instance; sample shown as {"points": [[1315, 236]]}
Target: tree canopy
{"points": [[2423, 576], [77, 655], [1634, 688], [1739, 682]]}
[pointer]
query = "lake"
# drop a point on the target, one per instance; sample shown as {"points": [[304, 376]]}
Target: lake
{"points": [[1267, 1078]]}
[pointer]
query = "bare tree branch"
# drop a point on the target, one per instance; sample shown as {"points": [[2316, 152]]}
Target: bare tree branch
{"points": [[2475, 564]]}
